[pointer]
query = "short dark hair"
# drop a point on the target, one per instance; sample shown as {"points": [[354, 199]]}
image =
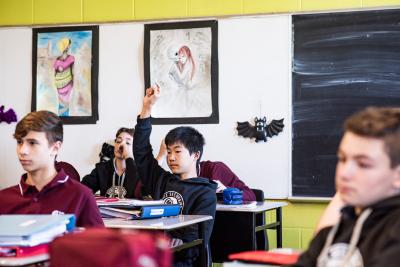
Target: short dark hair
{"points": [[378, 122], [41, 121], [130, 131], [192, 139]]}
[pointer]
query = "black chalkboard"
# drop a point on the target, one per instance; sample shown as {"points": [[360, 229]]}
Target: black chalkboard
{"points": [[342, 63]]}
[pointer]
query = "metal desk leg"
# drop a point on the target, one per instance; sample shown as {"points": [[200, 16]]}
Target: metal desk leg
{"points": [[279, 227], [254, 233], [205, 259]]}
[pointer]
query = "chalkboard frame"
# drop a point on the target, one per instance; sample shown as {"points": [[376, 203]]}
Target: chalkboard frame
{"points": [[370, 41]]}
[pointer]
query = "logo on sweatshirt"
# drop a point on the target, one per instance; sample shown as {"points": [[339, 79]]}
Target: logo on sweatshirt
{"points": [[172, 197]]}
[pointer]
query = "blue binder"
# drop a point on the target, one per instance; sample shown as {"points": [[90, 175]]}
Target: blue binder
{"points": [[159, 211]]}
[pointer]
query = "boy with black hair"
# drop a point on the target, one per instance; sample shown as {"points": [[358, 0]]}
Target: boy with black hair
{"points": [[188, 138], [45, 189], [368, 184], [217, 171], [196, 195]]}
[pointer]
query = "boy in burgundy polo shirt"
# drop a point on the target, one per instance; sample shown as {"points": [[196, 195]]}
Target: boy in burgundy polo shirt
{"points": [[45, 189]]}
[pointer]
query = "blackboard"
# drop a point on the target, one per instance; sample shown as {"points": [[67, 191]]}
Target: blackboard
{"points": [[342, 62]]}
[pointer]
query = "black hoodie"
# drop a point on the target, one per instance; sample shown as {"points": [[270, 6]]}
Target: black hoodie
{"points": [[101, 178], [195, 195], [377, 244]]}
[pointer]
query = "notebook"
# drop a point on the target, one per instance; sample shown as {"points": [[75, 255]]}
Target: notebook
{"points": [[127, 203], [245, 204], [145, 212], [16, 251], [277, 256], [31, 230]]}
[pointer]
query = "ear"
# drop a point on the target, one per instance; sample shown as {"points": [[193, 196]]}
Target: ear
{"points": [[196, 155], [55, 148], [396, 181]]}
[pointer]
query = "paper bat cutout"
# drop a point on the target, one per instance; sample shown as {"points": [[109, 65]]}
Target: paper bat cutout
{"points": [[7, 116], [261, 131]]}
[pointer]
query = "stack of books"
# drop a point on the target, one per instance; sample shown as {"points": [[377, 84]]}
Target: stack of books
{"points": [[28, 235], [136, 209]]}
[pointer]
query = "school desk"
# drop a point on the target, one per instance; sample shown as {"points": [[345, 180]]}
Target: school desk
{"points": [[235, 228], [167, 224]]}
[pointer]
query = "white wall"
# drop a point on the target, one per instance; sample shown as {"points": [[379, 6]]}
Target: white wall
{"points": [[254, 68]]}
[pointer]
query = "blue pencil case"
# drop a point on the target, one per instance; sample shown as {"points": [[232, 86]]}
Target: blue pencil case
{"points": [[232, 196]]}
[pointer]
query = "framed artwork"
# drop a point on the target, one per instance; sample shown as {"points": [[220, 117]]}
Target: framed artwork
{"points": [[64, 72], [182, 58]]}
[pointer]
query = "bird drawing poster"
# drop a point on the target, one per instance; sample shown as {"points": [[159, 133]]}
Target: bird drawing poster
{"points": [[181, 58]]}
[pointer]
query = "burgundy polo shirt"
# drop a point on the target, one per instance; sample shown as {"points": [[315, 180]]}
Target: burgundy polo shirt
{"points": [[216, 170], [61, 195]]}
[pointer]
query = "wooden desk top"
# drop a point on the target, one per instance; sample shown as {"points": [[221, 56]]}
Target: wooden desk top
{"points": [[165, 223], [260, 206]]}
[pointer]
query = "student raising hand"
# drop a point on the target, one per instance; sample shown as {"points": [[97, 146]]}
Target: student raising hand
{"points": [[152, 94]]}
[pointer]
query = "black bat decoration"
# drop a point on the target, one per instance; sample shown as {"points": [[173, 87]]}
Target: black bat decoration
{"points": [[261, 131]]}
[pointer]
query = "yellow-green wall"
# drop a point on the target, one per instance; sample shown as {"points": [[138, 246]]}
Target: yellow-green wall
{"points": [[299, 219], [37, 12]]}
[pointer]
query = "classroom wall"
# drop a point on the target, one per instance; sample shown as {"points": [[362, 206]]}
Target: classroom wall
{"points": [[299, 218], [299, 222], [121, 87], [29, 12]]}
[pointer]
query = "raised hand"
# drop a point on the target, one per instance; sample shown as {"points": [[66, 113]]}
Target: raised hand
{"points": [[151, 97]]}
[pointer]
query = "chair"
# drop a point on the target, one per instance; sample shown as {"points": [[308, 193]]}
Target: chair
{"points": [[261, 235], [106, 153], [68, 169], [136, 248]]}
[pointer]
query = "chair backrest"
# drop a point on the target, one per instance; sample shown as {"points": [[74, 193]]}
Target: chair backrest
{"points": [[106, 153], [69, 169], [259, 194]]}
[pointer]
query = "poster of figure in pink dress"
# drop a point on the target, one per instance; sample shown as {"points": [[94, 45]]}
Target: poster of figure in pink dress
{"points": [[182, 58], [65, 72]]}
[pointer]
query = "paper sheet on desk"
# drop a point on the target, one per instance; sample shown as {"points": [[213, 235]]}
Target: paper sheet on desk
{"points": [[249, 204], [128, 203]]}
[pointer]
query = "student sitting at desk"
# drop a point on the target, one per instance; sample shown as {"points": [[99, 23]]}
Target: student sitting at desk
{"points": [[368, 183], [45, 189], [224, 176], [117, 177], [217, 171], [196, 195]]}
